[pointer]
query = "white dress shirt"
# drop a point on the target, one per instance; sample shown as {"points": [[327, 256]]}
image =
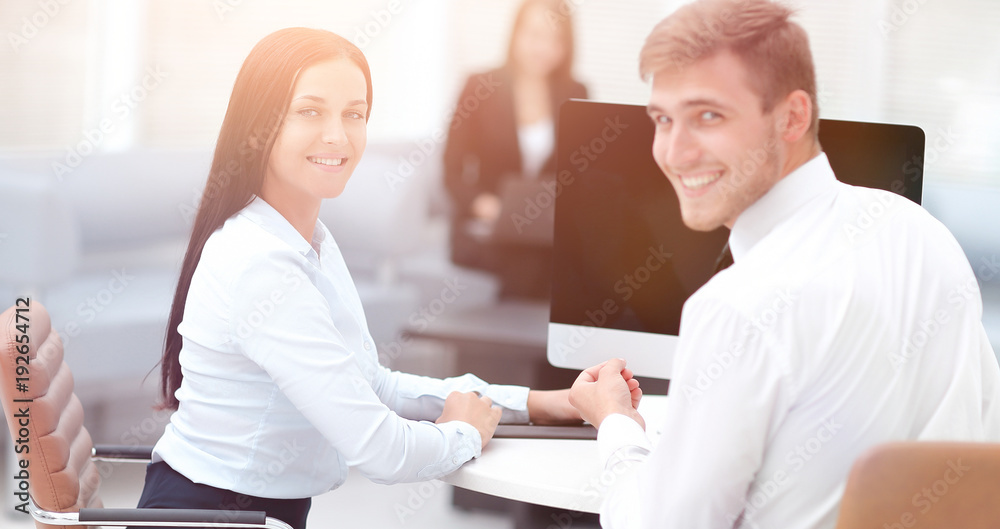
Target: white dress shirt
{"points": [[851, 317], [282, 389]]}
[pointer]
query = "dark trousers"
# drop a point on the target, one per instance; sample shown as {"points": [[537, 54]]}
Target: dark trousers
{"points": [[166, 488]]}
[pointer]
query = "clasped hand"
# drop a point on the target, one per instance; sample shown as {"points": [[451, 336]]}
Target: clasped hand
{"points": [[605, 389], [599, 391], [544, 407]]}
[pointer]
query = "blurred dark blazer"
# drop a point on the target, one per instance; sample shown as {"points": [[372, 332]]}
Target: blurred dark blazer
{"points": [[482, 148]]}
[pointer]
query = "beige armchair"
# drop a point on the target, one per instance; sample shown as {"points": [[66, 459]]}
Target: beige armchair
{"points": [[927, 485], [55, 451]]}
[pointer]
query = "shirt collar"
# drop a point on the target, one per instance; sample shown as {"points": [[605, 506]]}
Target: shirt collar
{"points": [[270, 220], [808, 181]]}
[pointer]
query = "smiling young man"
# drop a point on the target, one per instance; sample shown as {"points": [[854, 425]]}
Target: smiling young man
{"points": [[851, 317]]}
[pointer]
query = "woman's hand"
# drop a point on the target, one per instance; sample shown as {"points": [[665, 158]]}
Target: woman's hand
{"points": [[487, 207], [552, 407], [473, 409]]}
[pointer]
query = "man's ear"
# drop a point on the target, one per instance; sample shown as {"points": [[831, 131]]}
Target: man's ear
{"points": [[797, 110]]}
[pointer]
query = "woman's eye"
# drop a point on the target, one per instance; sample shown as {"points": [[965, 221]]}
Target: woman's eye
{"points": [[353, 114], [308, 112]]}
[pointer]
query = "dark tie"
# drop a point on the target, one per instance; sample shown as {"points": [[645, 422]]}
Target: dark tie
{"points": [[725, 259]]}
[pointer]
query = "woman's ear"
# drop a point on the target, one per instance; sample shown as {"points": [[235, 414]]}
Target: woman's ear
{"points": [[797, 111]]}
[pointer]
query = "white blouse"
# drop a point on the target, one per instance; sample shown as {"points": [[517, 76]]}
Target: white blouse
{"points": [[536, 142], [282, 389]]}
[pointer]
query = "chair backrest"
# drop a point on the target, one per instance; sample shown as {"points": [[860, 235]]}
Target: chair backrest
{"points": [[929, 485], [62, 477]]}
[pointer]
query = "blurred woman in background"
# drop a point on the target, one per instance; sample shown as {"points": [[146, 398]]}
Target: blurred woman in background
{"points": [[503, 131]]}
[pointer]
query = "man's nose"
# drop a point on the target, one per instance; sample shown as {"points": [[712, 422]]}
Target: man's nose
{"points": [[682, 148]]}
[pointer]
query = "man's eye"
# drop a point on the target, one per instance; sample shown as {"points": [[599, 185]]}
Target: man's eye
{"points": [[661, 120], [708, 115]]}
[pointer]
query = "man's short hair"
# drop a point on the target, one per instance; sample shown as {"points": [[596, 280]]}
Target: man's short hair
{"points": [[774, 49]]}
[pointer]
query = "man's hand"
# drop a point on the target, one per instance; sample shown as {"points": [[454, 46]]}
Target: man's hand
{"points": [[552, 407], [473, 409], [605, 389]]}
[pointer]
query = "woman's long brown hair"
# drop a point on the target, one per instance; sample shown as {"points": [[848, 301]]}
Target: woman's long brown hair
{"points": [[559, 13], [260, 99]]}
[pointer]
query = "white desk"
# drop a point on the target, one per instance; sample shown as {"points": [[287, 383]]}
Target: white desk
{"points": [[561, 473]]}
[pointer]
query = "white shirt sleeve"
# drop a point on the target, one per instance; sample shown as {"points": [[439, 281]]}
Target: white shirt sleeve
{"points": [[284, 325], [725, 395], [623, 446], [422, 398]]}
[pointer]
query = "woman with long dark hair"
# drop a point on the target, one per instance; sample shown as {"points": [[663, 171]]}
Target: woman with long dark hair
{"points": [[503, 131], [268, 359]]}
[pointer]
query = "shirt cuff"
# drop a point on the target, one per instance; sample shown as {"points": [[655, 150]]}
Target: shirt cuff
{"points": [[621, 439], [464, 443], [513, 400]]}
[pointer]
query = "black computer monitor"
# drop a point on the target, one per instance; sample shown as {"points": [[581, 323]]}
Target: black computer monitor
{"points": [[623, 261]]}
